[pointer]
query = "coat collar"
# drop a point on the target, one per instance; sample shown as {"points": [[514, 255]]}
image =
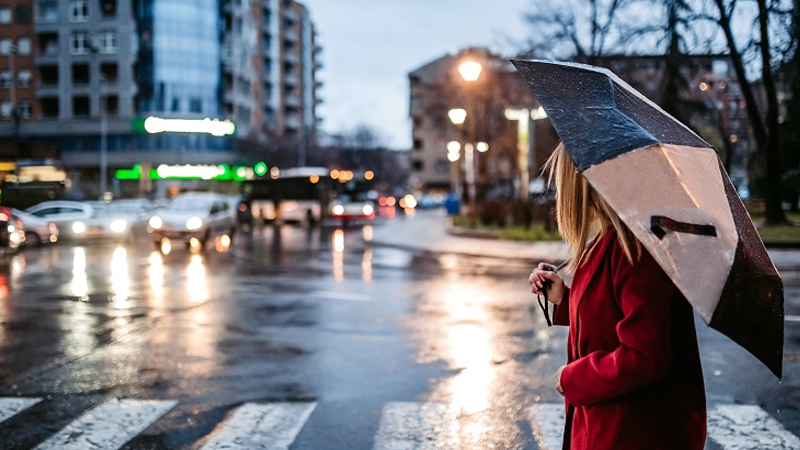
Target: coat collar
{"points": [[586, 272]]}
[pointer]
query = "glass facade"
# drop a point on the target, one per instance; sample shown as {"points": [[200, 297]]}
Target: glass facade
{"points": [[179, 61]]}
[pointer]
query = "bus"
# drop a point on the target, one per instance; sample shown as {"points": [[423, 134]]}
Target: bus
{"points": [[299, 195]]}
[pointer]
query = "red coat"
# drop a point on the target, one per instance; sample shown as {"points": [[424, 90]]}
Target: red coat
{"points": [[633, 378]]}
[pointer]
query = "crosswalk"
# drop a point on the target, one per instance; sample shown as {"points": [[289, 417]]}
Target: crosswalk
{"points": [[402, 426]]}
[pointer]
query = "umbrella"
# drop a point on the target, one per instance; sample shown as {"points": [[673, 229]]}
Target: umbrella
{"points": [[670, 189]]}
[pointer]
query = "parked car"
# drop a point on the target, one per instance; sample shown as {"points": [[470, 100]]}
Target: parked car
{"points": [[69, 216], [194, 218], [10, 236], [37, 230]]}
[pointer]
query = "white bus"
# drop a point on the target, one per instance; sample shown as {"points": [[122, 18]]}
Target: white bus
{"points": [[299, 195]]}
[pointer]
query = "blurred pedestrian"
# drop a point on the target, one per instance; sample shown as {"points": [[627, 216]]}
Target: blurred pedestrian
{"points": [[633, 378]]}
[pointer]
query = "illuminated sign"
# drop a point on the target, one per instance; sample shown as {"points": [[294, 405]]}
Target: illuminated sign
{"points": [[189, 172], [214, 127]]}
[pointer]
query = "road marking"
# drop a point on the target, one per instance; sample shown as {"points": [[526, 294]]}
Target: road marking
{"points": [[547, 420], [348, 296], [272, 426], [747, 427], [791, 318], [417, 426], [108, 426], [733, 427], [11, 406]]}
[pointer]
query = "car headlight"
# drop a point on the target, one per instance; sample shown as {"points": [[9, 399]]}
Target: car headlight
{"points": [[337, 210], [155, 222], [368, 210], [119, 225], [195, 223], [79, 228]]}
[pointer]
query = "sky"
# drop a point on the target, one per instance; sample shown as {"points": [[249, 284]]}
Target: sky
{"points": [[370, 46]]}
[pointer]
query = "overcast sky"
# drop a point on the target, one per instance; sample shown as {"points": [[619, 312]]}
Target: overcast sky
{"points": [[370, 46]]}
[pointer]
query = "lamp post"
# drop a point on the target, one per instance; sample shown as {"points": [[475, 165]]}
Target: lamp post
{"points": [[470, 71], [103, 139], [526, 143]]}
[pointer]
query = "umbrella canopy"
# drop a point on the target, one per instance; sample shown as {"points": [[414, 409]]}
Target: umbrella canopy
{"points": [[670, 189]]}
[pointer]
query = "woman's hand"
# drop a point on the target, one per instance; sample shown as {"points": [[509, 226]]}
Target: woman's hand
{"points": [[557, 377], [555, 289]]}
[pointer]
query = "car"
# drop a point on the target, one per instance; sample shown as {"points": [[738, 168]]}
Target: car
{"points": [[123, 218], [37, 230], [69, 216], [10, 236], [194, 218], [347, 210]]}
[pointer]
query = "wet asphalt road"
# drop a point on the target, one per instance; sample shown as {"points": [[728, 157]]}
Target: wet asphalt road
{"points": [[295, 315]]}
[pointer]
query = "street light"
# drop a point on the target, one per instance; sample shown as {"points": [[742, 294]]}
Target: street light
{"points": [[526, 144], [470, 70], [457, 115]]}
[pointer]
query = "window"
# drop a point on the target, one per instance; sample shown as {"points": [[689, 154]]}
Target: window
{"points": [[47, 12], [5, 15], [80, 44], [6, 45], [106, 42], [24, 46], [23, 14], [108, 8], [418, 166], [48, 43], [195, 105], [112, 105], [109, 72], [6, 108], [79, 11], [80, 106], [80, 74], [6, 79], [49, 106], [442, 166], [25, 110], [24, 78], [48, 75], [720, 68]]}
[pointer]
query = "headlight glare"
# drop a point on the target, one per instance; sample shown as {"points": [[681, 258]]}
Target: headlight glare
{"points": [[195, 223]]}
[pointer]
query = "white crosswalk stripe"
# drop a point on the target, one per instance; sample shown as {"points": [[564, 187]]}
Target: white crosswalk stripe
{"points": [[402, 426], [747, 427], [11, 406], [417, 426], [732, 427], [109, 425], [548, 425], [272, 426]]}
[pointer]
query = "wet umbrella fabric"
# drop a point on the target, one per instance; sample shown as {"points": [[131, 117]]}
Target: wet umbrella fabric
{"points": [[669, 187]]}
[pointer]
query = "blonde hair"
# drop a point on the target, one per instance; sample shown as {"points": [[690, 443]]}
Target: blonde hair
{"points": [[580, 211]]}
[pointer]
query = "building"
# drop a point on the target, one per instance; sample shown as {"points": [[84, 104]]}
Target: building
{"points": [[513, 159], [218, 79]]}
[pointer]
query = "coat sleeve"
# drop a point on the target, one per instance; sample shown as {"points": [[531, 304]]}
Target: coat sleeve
{"points": [[561, 312], [644, 293]]}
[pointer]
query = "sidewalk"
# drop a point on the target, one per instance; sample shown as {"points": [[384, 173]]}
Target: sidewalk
{"points": [[426, 232]]}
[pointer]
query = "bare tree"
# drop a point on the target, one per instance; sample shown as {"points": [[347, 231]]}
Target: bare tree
{"points": [[765, 126], [578, 30]]}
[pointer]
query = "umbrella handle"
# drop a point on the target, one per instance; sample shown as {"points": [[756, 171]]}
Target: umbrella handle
{"points": [[544, 304]]}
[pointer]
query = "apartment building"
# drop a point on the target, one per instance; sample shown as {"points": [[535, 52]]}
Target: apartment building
{"points": [[17, 71], [100, 68], [512, 157]]}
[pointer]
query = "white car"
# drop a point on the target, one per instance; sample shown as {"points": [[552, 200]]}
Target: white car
{"points": [[194, 218], [69, 216], [37, 230]]}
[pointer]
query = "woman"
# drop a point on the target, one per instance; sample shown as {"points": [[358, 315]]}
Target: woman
{"points": [[633, 378]]}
